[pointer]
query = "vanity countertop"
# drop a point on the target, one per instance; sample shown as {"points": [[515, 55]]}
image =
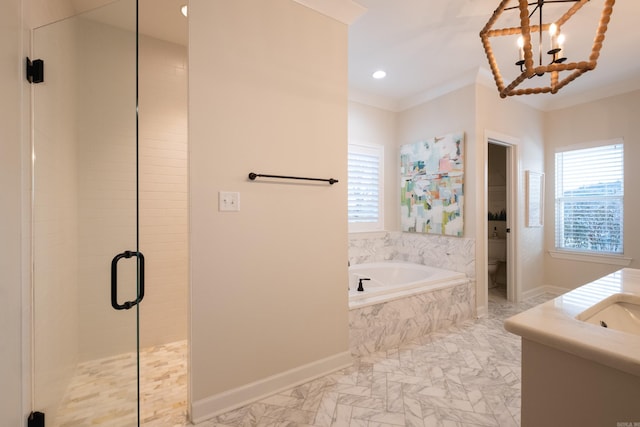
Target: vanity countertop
{"points": [[554, 324]]}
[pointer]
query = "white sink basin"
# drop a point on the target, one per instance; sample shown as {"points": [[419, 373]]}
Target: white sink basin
{"points": [[619, 311]]}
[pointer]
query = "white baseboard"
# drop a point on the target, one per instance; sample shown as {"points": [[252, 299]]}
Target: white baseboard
{"points": [[482, 311], [555, 290], [209, 407]]}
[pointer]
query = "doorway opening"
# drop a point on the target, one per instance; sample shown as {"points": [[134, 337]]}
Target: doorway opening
{"points": [[501, 186]]}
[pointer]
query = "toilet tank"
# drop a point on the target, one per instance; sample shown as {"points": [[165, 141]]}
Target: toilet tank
{"points": [[498, 249]]}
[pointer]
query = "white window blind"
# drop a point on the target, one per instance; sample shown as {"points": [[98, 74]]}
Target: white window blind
{"points": [[365, 166], [590, 199]]}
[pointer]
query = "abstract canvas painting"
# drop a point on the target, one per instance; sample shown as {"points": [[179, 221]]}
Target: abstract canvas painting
{"points": [[432, 185]]}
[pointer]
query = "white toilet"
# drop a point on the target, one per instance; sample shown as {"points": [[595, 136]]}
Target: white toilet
{"points": [[497, 254]]}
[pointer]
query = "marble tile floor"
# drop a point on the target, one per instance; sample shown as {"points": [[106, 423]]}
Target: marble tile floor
{"points": [[467, 375], [103, 392]]}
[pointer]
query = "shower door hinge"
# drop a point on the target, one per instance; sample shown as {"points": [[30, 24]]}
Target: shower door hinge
{"points": [[35, 70], [36, 419]]}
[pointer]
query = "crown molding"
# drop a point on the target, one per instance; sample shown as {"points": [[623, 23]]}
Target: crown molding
{"points": [[345, 11], [377, 101], [466, 79]]}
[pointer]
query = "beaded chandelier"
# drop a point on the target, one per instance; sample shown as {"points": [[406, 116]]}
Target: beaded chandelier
{"points": [[528, 35]]}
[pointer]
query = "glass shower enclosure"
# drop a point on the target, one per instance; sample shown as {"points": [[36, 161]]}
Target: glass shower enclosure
{"points": [[88, 270]]}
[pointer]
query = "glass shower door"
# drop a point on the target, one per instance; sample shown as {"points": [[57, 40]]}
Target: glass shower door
{"points": [[88, 271]]}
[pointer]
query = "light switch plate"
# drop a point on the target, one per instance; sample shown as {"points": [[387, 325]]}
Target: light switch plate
{"points": [[228, 201]]}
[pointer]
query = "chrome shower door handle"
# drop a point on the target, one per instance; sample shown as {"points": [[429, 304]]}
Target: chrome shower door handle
{"points": [[114, 280]]}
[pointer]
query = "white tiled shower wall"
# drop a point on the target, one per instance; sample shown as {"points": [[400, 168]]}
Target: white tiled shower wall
{"points": [[164, 189], [107, 163]]}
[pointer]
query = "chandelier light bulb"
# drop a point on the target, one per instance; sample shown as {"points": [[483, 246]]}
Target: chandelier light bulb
{"points": [[520, 50], [380, 74], [561, 40], [562, 53], [553, 34]]}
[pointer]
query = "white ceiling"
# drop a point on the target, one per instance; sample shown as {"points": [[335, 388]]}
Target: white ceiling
{"points": [[430, 46], [426, 46]]}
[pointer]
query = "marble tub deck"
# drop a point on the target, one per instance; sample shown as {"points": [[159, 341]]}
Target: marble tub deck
{"points": [[390, 324]]}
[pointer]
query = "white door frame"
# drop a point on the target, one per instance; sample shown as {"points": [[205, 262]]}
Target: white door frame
{"points": [[513, 214]]}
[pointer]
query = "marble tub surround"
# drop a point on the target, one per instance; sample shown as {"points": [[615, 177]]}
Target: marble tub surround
{"points": [[389, 324], [555, 324], [449, 253], [385, 325]]}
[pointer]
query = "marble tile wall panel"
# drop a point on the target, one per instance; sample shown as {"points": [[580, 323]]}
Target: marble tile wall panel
{"points": [[370, 247], [389, 324], [450, 253]]}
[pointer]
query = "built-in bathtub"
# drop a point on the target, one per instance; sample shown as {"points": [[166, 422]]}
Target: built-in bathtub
{"points": [[392, 280], [403, 301]]}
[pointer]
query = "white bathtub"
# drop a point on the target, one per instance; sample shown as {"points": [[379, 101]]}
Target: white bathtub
{"points": [[394, 280]]}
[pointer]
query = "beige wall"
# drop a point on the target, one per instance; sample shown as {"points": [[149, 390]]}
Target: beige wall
{"points": [[371, 125], [14, 96], [43, 12], [452, 112], [497, 174], [268, 94], [535, 132], [516, 120], [474, 109], [449, 113], [614, 117]]}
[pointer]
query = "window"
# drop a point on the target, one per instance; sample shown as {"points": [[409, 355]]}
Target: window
{"points": [[589, 198], [365, 195]]}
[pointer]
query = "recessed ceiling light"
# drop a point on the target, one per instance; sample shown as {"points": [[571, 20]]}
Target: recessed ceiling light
{"points": [[379, 74], [183, 9]]}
